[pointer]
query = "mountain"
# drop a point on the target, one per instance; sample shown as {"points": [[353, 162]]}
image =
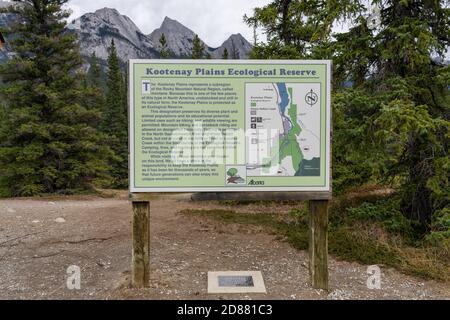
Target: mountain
{"points": [[180, 40], [5, 19], [235, 43], [96, 30]]}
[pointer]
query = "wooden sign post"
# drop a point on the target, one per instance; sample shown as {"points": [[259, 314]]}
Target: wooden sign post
{"points": [[318, 232], [140, 273], [231, 130], [318, 243]]}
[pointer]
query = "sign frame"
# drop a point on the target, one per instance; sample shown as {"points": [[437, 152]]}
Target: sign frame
{"points": [[316, 192]]}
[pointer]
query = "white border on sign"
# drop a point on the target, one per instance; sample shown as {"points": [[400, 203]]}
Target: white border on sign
{"points": [[326, 188]]}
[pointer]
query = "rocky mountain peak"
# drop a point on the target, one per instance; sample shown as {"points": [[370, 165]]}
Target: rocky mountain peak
{"points": [[236, 45], [172, 25], [179, 38], [96, 31]]}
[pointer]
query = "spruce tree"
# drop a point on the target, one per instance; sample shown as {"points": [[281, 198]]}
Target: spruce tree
{"points": [[235, 55], [94, 97], [295, 27], [48, 139], [94, 74], [115, 123], [392, 125], [198, 49], [163, 47], [225, 54], [406, 120]]}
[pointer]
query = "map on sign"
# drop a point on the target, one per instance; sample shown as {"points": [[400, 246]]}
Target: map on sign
{"points": [[292, 113], [218, 125]]}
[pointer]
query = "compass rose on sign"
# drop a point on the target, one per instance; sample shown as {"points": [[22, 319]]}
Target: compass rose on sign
{"points": [[311, 98]]}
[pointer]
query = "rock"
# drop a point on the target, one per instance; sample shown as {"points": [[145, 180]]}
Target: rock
{"points": [[60, 220], [237, 42], [96, 31], [179, 38], [339, 295], [10, 210]]}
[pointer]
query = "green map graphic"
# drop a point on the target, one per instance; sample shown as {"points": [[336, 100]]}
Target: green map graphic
{"points": [[288, 144]]}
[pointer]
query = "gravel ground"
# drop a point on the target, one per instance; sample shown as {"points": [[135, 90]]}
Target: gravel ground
{"points": [[41, 238]]}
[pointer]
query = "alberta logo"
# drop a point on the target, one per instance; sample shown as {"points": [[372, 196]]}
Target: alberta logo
{"points": [[235, 176], [256, 183]]}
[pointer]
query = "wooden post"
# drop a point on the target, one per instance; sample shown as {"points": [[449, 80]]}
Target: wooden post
{"points": [[141, 244], [318, 243]]}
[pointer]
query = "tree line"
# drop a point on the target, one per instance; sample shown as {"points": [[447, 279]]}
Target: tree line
{"points": [[64, 130], [391, 98]]}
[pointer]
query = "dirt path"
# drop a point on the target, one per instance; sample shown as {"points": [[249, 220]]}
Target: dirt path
{"points": [[40, 239]]}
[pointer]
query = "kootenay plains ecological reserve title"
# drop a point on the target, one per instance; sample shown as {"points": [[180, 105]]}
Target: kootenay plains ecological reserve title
{"points": [[231, 72]]}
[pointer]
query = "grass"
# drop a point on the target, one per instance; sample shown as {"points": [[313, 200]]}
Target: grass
{"points": [[365, 230]]}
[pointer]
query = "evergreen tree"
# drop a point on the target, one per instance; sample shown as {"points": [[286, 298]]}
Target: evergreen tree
{"points": [[235, 55], [295, 27], [163, 47], [198, 49], [115, 123], [407, 102], [225, 54], [94, 97], [94, 74], [48, 140], [393, 124]]}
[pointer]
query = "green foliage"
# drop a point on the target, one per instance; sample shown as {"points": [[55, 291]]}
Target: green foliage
{"points": [[198, 48], [440, 234], [48, 137], [370, 232], [295, 28], [225, 54], [115, 122], [351, 166], [232, 172], [385, 211], [164, 51], [94, 74], [93, 86], [393, 125]]}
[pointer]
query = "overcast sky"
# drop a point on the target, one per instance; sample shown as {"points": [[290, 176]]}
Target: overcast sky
{"points": [[213, 20]]}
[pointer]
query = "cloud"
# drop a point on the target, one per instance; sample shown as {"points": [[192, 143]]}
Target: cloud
{"points": [[214, 21]]}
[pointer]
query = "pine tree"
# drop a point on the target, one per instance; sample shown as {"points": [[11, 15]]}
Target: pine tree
{"points": [[94, 97], [407, 116], [48, 140], [225, 54], [235, 55], [163, 47], [295, 27], [94, 74], [392, 125], [198, 49], [115, 123]]}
